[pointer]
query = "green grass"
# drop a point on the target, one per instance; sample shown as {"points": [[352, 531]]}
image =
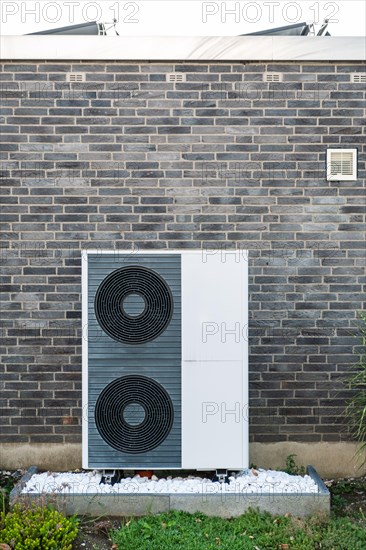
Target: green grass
{"points": [[251, 531]]}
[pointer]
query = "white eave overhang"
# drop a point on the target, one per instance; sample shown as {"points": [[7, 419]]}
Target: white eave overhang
{"points": [[183, 48]]}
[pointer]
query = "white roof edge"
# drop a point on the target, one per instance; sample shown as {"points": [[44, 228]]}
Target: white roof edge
{"points": [[183, 48]]}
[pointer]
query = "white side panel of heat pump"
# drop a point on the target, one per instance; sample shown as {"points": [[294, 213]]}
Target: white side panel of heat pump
{"points": [[215, 416], [214, 362], [214, 305]]}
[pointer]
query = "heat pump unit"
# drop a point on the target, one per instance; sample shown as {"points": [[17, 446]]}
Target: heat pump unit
{"points": [[165, 360]]}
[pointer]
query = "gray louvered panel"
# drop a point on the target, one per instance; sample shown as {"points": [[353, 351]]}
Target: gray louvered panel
{"points": [[159, 359]]}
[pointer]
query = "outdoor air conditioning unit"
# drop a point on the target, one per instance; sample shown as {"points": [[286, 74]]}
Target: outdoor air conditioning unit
{"points": [[165, 360]]}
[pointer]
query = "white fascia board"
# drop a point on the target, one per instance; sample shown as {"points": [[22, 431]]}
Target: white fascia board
{"points": [[183, 48]]}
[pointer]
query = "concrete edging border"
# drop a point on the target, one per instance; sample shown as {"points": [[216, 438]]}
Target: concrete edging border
{"points": [[223, 504]]}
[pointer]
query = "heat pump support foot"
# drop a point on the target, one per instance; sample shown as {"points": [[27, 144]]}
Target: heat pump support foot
{"points": [[108, 476], [221, 476]]}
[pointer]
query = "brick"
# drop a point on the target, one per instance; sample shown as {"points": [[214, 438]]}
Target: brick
{"points": [[270, 150]]}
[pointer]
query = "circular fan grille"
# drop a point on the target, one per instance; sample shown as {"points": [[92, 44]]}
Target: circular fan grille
{"points": [[113, 414], [113, 300]]}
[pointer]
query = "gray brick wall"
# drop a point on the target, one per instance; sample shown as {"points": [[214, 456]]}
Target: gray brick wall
{"points": [[220, 161]]}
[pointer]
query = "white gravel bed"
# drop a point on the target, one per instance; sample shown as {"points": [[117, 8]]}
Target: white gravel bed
{"points": [[248, 482]]}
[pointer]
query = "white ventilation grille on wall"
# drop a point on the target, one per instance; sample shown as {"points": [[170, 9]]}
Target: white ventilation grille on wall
{"points": [[176, 77], [75, 77], [341, 164], [272, 77], [358, 78]]}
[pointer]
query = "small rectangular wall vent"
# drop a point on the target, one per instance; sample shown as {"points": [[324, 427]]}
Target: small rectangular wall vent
{"points": [[341, 164], [358, 78], [272, 77], [176, 77], [75, 77]]}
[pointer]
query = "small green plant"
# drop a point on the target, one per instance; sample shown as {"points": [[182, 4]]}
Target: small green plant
{"points": [[3, 500], [37, 528], [292, 468], [7, 482], [348, 496], [356, 407]]}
